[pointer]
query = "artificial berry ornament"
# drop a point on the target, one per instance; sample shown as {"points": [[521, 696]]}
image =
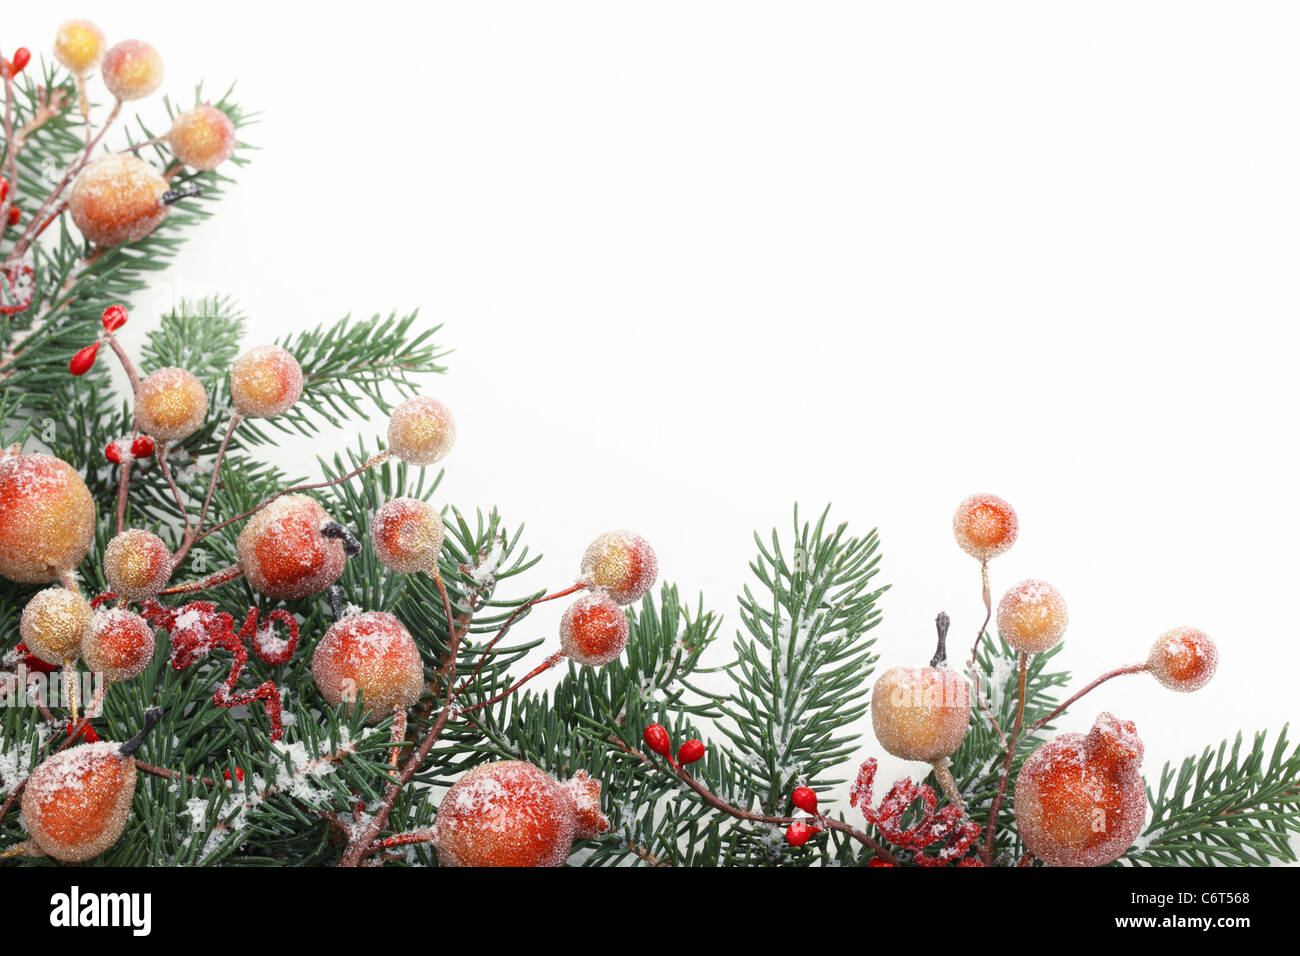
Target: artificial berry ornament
{"points": [[137, 564], [53, 624], [118, 198], [657, 739], [1079, 799], [132, 69], [421, 431], [22, 56], [47, 518], [593, 630], [371, 655], [1032, 617], [985, 526], [83, 360], [690, 752], [202, 138], [622, 564], [284, 552], [79, 46], [921, 713], [799, 833], [1183, 659], [76, 803], [805, 798], [170, 404], [119, 644], [114, 317], [407, 535], [265, 381], [512, 813]]}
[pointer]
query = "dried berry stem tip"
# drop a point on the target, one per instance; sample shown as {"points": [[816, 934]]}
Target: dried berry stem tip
{"points": [[151, 718], [188, 191], [941, 651], [351, 546]]}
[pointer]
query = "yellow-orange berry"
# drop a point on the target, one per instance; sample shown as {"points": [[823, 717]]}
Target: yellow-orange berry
{"points": [[920, 713], [622, 564], [407, 535], [421, 431], [594, 630], [76, 803], [1183, 659], [54, 623], [985, 526], [170, 404], [117, 199], [202, 138], [137, 565], [47, 518], [119, 645], [371, 655], [1032, 617], [79, 46], [265, 382], [283, 553], [132, 69]]}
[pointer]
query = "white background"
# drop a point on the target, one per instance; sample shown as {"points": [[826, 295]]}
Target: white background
{"points": [[700, 260]]}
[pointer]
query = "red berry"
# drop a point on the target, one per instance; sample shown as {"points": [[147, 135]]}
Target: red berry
{"points": [[113, 453], [877, 861], [656, 738], [805, 799], [4, 188], [798, 833], [690, 751], [142, 446], [83, 360], [14, 215], [87, 731], [22, 56], [239, 774], [114, 317], [31, 661]]}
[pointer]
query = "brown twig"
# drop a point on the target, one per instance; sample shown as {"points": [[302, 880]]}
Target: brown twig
{"points": [[1005, 777], [191, 537], [506, 626], [1117, 672], [973, 666]]}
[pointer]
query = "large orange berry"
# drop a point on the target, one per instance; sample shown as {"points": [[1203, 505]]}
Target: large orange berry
{"points": [[283, 553], [265, 382], [421, 431], [622, 564], [593, 630], [373, 656], [202, 138], [137, 564], [170, 404], [407, 535], [1183, 659], [116, 199], [985, 526], [1080, 799], [1032, 617], [53, 624], [920, 713], [132, 69], [47, 518], [79, 46], [119, 645], [75, 804], [512, 813]]}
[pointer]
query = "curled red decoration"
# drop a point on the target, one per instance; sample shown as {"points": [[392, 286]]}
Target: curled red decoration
{"points": [[947, 827], [17, 288]]}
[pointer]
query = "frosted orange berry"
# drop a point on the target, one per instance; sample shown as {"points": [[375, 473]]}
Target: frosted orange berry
{"points": [[1080, 799], [1032, 617], [622, 564], [170, 404], [407, 535], [985, 526], [137, 565], [202, 138], [117, 199], [421, 431], [53, 624], [132, 69], [1183, 659], [79, 46], [593, 630], [371, 655], [512, 813], [75, 804], [119, 645], [47, 518], [920, 713], [283, 553], [265, 382]]}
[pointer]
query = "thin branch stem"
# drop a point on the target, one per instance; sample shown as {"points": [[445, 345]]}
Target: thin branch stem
{"points": [[581, 585], [541, 668], [190, 538], [1117, 672], [1005, 777]]}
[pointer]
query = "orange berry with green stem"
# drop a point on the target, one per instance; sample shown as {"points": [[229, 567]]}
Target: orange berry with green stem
{"points": [[1183, 659], [594, 630], [47, 518], [132, 69], [407, 535], [265, 382], [203, 137], [985, 526], [170, 404], [54, 623], [119, 645], [118, 199], [137, 565], [1032, 617], [79, 46], [621, 564], [421, 431], [283, 551], [371, 655]]}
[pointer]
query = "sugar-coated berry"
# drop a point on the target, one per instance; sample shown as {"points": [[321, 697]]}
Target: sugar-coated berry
{"points": [[407, 535], [985, 526], [137, 564], [1032, 617], [622, 564], [202, 138], [47, 518], [132, 69], [657, 739], [1080, 799], [119, 645], [170, 404], [799, 833], [1183, 659], [371, 655], [76, 803], [283, 553], [805, 798], [265, 382], [79, 46], [116, 199], [512, 813], [593, 630], [920, 713], [421, 431], [54, 623], [690, 752]]}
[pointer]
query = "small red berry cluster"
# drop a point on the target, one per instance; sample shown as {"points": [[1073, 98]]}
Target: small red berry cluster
{"points": [[11, 68], [657, 739], [946, 826], [14, 213], [114, 318]]}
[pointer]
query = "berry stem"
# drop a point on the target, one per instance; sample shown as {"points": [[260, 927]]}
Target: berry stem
{"points": [[397, 737], [151, 718], [541, 668], [161, 454], [213, 580], [973, 666], [1117, 672], [1005, 777], [943, 773], [581, 585], [189, 539], [123, 480], [127, 365]]}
